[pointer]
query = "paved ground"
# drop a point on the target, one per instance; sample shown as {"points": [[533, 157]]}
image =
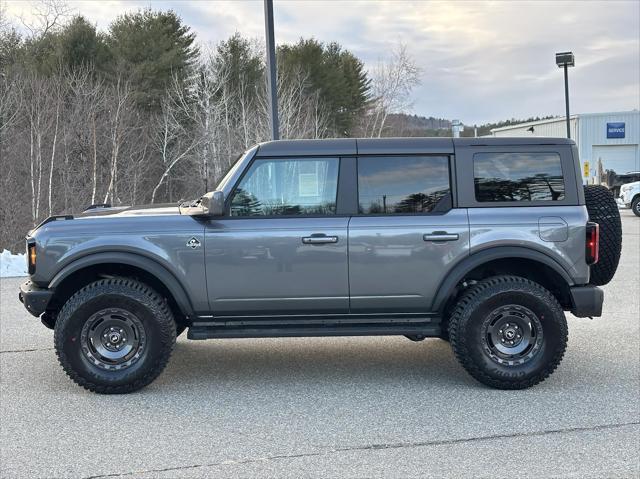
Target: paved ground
{"points": [[341, 407]]}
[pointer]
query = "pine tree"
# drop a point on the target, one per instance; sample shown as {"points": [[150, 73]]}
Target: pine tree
{"points": [[149, 47]]}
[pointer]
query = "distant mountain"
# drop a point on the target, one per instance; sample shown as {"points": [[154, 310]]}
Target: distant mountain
{"points": [[401, 124]]}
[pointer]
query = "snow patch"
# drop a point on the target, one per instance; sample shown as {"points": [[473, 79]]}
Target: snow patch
{"points": [[12, 265]]}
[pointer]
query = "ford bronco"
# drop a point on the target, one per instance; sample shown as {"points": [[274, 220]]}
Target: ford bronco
{"points": [[483, 242]]}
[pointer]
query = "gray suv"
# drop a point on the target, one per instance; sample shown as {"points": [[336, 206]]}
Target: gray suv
{"points": [[483, 242]]}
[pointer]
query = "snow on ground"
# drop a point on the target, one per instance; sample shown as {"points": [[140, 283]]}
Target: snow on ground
{"points": [[12, 264]]}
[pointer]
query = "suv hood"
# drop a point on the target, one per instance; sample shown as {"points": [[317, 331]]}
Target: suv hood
{"points": [[97, 212]]}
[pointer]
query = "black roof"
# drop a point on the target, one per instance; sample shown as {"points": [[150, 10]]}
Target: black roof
{"points": [[355, 146]]}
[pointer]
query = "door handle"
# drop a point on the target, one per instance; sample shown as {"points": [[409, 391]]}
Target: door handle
{"points": [[319, 239], [441, 236]]}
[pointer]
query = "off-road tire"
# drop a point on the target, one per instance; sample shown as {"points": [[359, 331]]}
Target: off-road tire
{"points": [[129, 295], [635, 206], [603, 209], [472, 311]]}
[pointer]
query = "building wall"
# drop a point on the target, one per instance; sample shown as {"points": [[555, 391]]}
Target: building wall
{"points": [[620, 154]]}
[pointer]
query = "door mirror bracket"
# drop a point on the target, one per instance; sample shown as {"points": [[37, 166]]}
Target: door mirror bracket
{"points": [[209, 205]]}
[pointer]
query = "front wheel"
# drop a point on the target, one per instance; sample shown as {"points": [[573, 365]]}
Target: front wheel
{"points": [[508, 332], [114, 336]]}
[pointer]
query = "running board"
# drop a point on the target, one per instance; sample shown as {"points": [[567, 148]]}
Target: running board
{"points": [[427, 329]]}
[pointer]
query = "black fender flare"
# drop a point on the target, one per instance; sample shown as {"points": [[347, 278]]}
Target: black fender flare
{"points": [[149, 265], [457, 274]]}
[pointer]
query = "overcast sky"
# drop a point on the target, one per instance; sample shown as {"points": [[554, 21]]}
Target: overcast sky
{"points": [[480, 61]]}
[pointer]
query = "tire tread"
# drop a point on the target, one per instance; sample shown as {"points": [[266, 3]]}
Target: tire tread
{"points": [[472, 299], [137, 291], [603, 210]]}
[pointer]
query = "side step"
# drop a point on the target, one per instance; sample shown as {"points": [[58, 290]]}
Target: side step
{"points": [[427, 329]]}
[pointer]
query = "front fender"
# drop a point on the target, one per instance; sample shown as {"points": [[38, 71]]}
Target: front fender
{"points": [[151, 266]]}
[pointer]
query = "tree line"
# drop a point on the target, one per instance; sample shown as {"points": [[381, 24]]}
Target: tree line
{"points": [[144, 113]]}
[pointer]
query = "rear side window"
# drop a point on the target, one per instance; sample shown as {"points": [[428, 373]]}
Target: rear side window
{"points": [[397, 185], [518, 177]]}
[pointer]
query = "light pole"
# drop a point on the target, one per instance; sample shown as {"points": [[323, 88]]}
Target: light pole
{"points": [[271, 70], [566, 60]]}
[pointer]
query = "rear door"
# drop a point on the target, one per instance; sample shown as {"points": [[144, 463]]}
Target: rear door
{"points": [[282, 247], [406, 235]]}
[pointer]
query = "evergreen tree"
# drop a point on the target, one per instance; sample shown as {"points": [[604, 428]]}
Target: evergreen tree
{"points": [[149, 47], [241, 63], [80, 45], [336, 74]]}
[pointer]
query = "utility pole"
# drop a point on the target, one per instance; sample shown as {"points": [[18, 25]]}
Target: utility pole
{"points": [[271, 70]]}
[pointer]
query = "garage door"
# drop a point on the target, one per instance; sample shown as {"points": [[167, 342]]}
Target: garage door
{"points": [[618, 158]]}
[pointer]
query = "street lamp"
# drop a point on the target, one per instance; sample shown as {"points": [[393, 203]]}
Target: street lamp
{"points": [[566, 60]]}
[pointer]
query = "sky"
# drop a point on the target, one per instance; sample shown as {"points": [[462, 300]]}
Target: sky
{"points": [[480, 61]]}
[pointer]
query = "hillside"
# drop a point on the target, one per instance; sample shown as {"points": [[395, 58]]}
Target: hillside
{"points": [[401, 124]]}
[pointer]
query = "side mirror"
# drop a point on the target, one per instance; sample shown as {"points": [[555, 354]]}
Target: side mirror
{"points": [[212, 203]]}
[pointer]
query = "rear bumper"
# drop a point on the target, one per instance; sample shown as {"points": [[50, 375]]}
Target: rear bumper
{"points": [[34, 298], [621, 203], [586, 301]]}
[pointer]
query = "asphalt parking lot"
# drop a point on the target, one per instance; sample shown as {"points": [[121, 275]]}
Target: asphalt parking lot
{"points": [[334, 407]]}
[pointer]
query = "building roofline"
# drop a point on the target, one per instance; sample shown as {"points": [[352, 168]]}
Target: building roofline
{"points": [[533, 123], [562, 119]]}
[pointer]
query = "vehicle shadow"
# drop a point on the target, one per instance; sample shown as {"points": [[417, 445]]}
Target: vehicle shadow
{"points": [[255, 362]]}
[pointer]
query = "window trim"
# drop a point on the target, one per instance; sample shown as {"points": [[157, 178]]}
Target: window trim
{"points": [[466, 178], [525, 202], [228, 200], [451, 177]]}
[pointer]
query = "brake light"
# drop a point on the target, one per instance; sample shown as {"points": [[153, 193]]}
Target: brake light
{"points": [[592, 251]]}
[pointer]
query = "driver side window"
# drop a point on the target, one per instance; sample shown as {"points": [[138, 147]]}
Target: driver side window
{"points": [[288, 187]]}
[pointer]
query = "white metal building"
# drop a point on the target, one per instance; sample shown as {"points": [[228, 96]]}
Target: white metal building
{"points": [[606, 141]]}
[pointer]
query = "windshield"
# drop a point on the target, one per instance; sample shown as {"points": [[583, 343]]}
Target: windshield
{"points": [[223, 182]]}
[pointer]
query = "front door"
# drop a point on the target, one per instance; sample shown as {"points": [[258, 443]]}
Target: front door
{"points": [[406, 236], [281, 249]]}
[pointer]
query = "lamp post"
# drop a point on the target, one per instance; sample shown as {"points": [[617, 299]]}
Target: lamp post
{"points": [[271, 70], [566, 60]]}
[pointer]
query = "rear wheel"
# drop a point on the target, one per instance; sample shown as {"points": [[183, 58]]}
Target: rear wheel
{"points": [[603, 209], [508, 332], [114, 336]]}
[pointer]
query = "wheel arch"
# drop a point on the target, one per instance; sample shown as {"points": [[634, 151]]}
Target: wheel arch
{"points": [[98, 265], [513, 260]]}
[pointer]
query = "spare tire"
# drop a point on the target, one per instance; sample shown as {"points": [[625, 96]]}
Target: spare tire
{"points": [[603, 210]]}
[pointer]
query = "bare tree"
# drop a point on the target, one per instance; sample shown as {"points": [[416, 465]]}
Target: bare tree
{"points": [[120, 103], [392, 83], [173, 139], [47, 15], [57, 104]]}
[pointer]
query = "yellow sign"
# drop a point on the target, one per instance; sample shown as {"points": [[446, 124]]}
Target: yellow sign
{"points": [[586, 169]]}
